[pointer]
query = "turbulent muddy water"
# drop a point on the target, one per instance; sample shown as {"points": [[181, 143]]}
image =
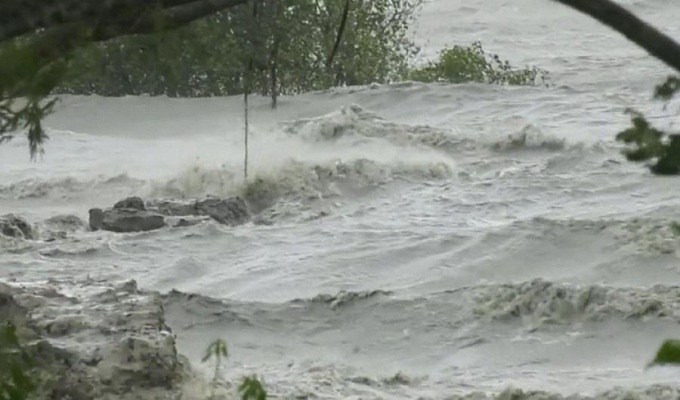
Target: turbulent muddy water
{"points": [[423, 240]]}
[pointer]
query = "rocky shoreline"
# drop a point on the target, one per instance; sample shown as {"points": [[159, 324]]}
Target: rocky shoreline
{"points": [[95, 340], [133, 214]]}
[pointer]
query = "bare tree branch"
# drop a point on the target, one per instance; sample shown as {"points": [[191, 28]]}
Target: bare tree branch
{"points": [[19, 17], [636, 30], [170, 18]]}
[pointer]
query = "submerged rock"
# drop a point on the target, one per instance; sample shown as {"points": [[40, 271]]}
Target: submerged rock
{"points": [[16, 227], [59, 226], [110, 342], [174, 208], [230, 211], [65, 223], [183, 222], [125, 220]]}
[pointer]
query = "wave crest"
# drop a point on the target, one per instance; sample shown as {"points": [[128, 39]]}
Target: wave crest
{"points": [[37, 188], [354, 122], [548, 303], [297, 181], [642, 236]]}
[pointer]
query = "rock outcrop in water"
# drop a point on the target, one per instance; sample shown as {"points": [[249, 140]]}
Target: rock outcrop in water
{"points": [[230, 211], [133, 215], [111, 343], [16, 227], [127, 215]]}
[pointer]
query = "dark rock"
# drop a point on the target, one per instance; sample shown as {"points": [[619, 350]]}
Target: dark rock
{"points": [[134, 202], [127, 215], [125, 220], [96, 219], [230, 211], [14, 226]]}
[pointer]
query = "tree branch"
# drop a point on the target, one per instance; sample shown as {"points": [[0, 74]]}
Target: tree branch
{"points": [[636, 30], [170, 18], [19, 17]]}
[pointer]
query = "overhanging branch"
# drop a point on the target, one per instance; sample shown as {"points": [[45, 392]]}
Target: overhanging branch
{"points": [[636, 30], [169, 18], [19, 17]]}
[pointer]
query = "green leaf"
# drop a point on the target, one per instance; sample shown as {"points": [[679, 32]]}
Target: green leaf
{"points": [[217, 348], [675, 227], [15, 384], [668, 353], [667, 90], [252, 389]]}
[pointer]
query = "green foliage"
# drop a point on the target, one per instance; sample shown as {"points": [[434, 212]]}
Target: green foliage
{"points": [[30, 68], [660, 150], [281, 48], [251, 389], [675, 228], [668, 353], [15, 384], [25, 82], [376, 46], [647, 144], [460, 64], [667, 90], [217, 349]]}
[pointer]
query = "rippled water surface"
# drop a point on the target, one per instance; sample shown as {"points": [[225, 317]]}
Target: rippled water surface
{"points": [[459, 237]]}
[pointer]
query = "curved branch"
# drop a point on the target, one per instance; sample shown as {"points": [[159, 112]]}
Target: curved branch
{"points": [[636, 30], [19, 17], [170, 18]]}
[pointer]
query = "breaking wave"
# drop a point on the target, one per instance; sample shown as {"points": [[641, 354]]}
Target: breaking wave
{"points": [[357, 126], [297, 181], [530, 137], [463, 318], [353, 124], [537, 302], [63, 188], [341, 154], [655, 392], [641, 236], [550, 303]]}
